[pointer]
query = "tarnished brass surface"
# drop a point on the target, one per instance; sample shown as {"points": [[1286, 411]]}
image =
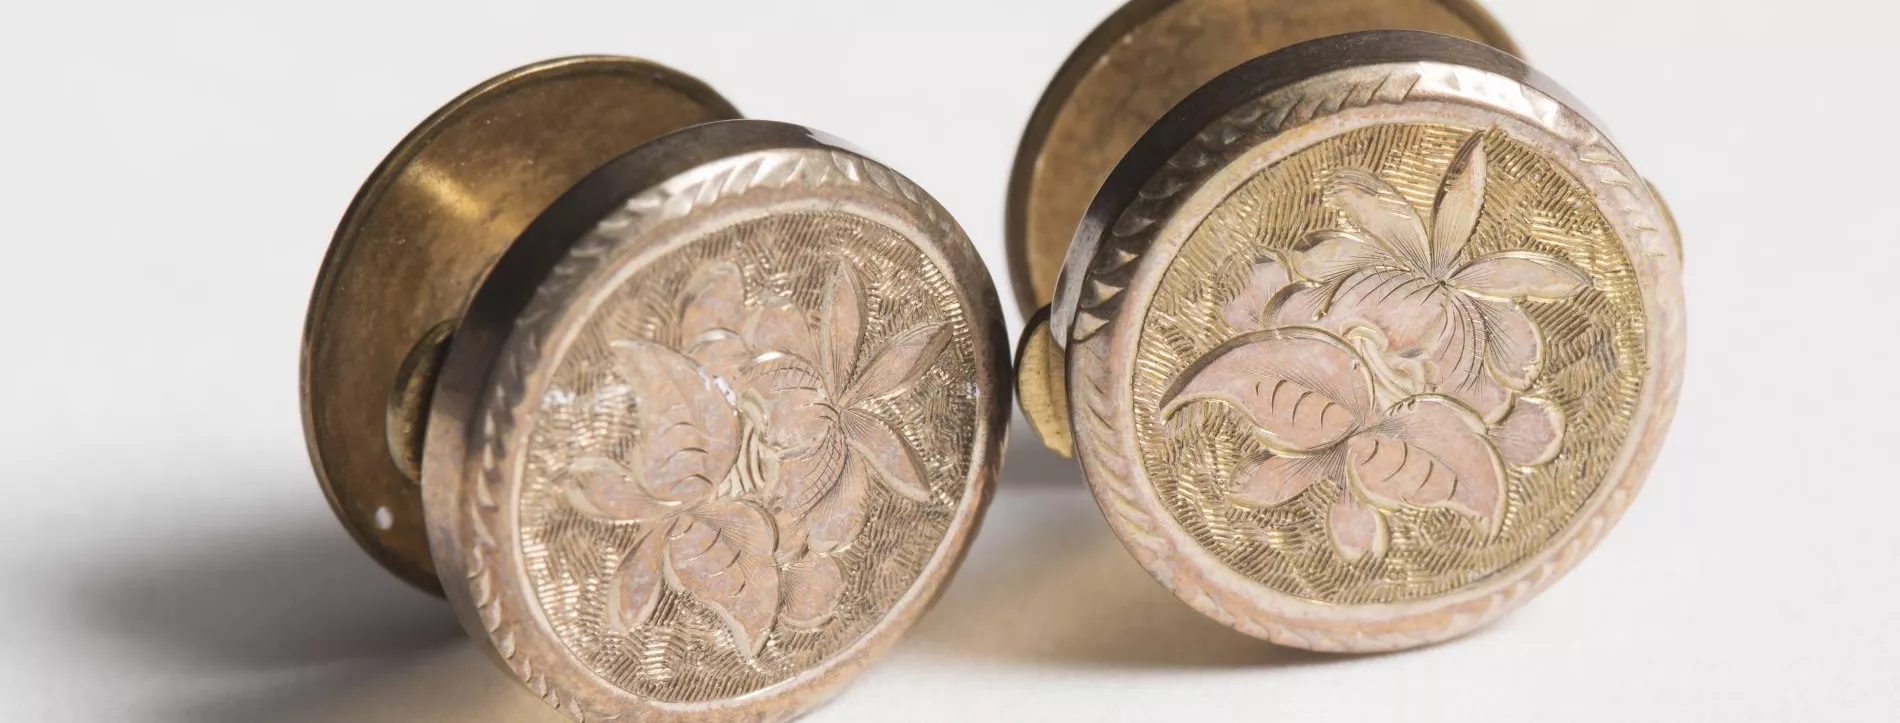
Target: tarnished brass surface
{"points": [[407, 417], [1136, 65], [422, 234], [1041, 387], [1371, 341]]}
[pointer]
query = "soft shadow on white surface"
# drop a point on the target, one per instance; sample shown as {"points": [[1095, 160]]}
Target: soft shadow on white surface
{"points": [[1049, 584], [295, 624]]}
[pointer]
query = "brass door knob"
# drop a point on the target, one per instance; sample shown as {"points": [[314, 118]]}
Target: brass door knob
{"points": [[1363, 343], [689, 417]]}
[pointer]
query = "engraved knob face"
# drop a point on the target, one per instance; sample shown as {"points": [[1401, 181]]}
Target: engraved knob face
{"points": [[1371, 341], [717, 428], [699, 435]]}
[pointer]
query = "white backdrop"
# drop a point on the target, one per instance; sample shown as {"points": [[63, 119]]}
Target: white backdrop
{"points": [[170, 174]]}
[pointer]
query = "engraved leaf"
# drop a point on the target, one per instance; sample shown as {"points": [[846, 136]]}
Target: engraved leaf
{"points": [[1377, 208], [1331, 253], [1264, 280], [888, 456], [1516, 275], [1356, 528], [636, 589], [1303, 388], [714, 298], [721, 555], [900, 363], [1531, 433], [835, 521], [1429, 451], [812, 587], [1274, 480], [840, 324], [1460, 197], [689, 432]]}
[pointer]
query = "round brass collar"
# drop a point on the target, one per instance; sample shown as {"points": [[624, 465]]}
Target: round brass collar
{"points": [[422, 234]]}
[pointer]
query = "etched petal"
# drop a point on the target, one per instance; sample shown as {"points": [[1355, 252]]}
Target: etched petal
{"points": [[1531, 433], [889, 458], [1458, 357], [1356, 528], [604, 488], [1264, 280], [778, 325], [837, 518], [839, 324], [1377, 208], [1401, 375], [637, 584], [1304, 388], [1429, 451], [789, 400], [900, 363], [721, 555], [688, 429], [1513, 348], [807, 476], [1460, 197], [1407, 307], [1274, 480], [714, 298], [1301, 304], [722, 354], [812, 587], [1332, 253], [1516, 275]]}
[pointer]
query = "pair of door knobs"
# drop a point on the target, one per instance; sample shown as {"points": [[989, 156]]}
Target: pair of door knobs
{"points": [[1362, 342]]}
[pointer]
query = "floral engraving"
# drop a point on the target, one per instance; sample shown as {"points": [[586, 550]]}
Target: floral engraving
{"points": [[751, 452], [1381, 357]]}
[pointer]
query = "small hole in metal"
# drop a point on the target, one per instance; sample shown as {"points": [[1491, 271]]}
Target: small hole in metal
{"points": [[384, 519]]}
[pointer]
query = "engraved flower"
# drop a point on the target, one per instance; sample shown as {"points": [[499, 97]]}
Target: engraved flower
{"points": [[695, 537], [1405, 291], [814, 395], [1310, 396], [752, 446]]}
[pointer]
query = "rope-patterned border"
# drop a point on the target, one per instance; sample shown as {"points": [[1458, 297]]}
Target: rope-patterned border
{"points": [[1122, 493], [808, 169]]}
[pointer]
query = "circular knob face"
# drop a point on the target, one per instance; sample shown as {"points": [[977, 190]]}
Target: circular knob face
{"points": [[1371, 341], [717, 428], [1136, 65]]}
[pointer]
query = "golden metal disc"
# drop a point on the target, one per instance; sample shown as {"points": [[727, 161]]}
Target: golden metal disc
{"points": [[1369, 341], [1136, 65], [423, 232], [717, 429]]}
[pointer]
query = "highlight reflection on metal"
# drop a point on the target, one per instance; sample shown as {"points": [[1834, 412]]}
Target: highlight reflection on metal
{"points": [[1367, 344], [675, 462]]}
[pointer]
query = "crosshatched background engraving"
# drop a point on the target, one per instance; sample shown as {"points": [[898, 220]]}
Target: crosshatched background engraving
{"points": [[1323, 272], [749, 455]]}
